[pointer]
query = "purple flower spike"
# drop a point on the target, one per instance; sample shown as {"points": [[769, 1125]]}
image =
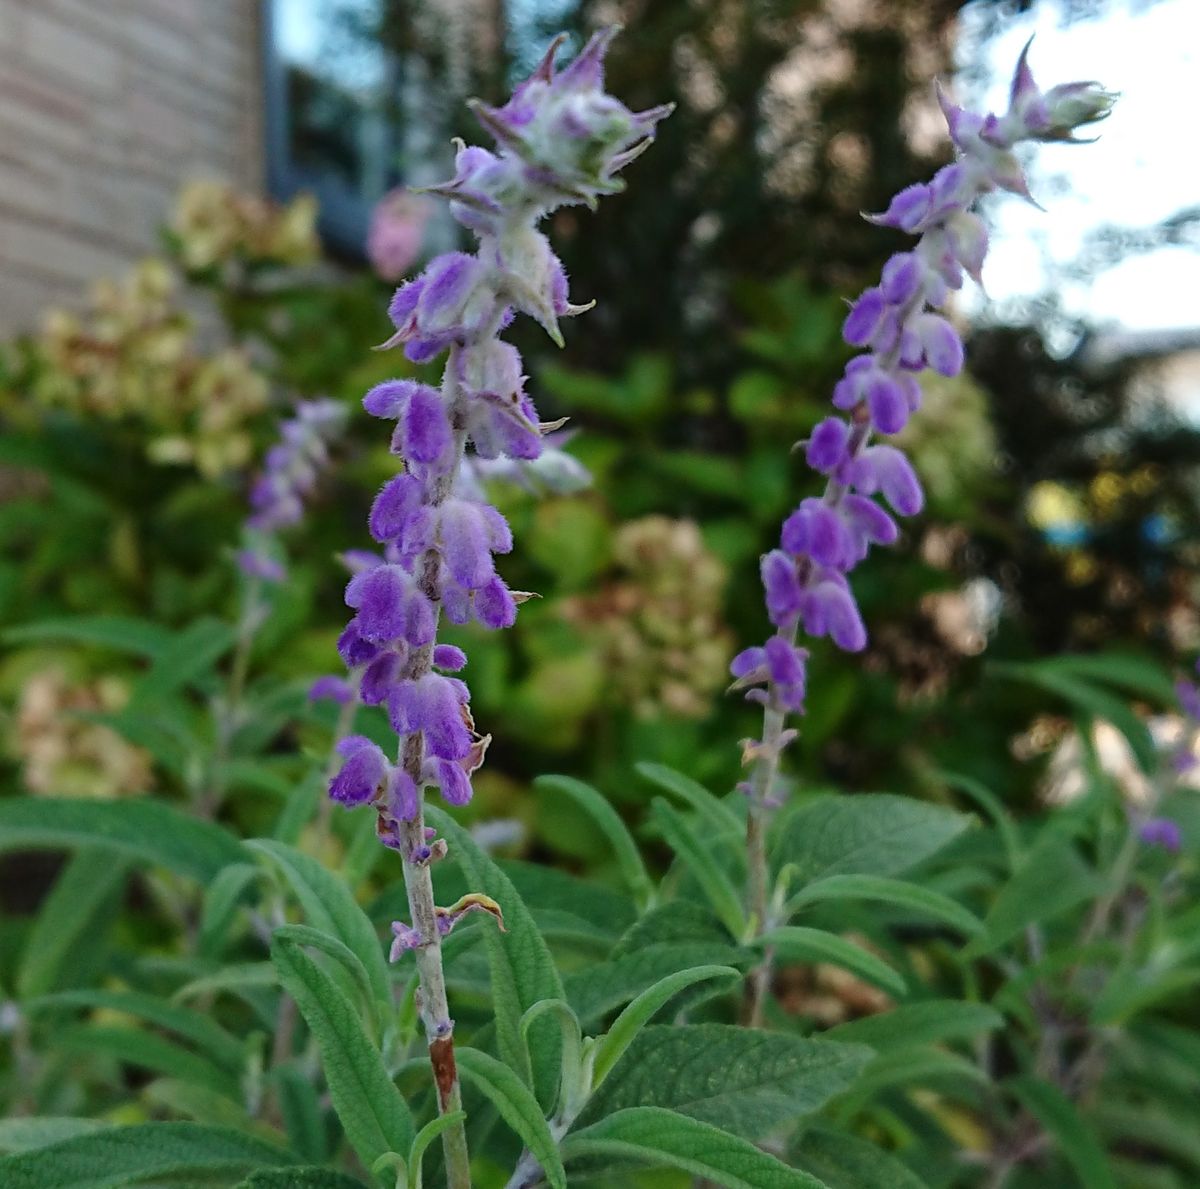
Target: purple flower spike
{"points": [[560, 140], [901, 334]]}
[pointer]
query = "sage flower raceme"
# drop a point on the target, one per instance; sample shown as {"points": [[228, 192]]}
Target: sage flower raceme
{"points": [[901, 332], [291, 471], [560, 140]]}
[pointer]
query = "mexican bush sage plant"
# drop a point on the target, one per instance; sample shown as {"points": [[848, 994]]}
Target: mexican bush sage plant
{"points": [[560, 140], [900, 332]]}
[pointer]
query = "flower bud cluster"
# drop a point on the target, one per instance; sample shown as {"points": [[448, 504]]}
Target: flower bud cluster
{"points": [[559, 140], [901, 333], [290, 474]]}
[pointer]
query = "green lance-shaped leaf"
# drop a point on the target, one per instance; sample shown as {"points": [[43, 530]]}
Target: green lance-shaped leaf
{"points": [[717, 814], [1074, 1138], [522, 970], [142, 637], [40, 1131], [651, 1135], [72, 917], [517, 1107], [221, 900], [145, 1050], [330, 907], [598, 989], [843, 1161], [713, 881], [895, 892], [1052, 879], [190, 655], [149, 831], [571, 1076], [919, 1023], [430, 1133], [346, 958], [119, 1156], [747, 1081], [299, 1178], [202, 1030], [374, 1116], [300, 1107], [799, 943], [868, 833], [600, 810], [625, 1028]]}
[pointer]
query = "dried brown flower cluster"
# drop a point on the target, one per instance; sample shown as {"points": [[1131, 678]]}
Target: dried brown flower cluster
{"points": [[658, 624], [215, 224], [65, 755], [135, 355]]}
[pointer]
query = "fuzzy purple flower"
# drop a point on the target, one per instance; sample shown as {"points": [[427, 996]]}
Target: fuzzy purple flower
{"points": [[901, 333]]}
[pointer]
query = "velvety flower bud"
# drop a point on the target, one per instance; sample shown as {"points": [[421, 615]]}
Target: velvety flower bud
{"points": [[379, 678], [403, 798], [331, 689], [465, 543], [364, 773], [494, 605], [1162, 832], [826, 449], [748, 663], [887, 402], [869, 520], [255, 564], [907, 210], [453, 782], [816, 530], [423, 433], [447, 656], [902, 278], [864, 318], [829, 610], [432, 704], [943, 348], [782, 587], [397, 502], [885, 469], [353, 648], [390, 607]]}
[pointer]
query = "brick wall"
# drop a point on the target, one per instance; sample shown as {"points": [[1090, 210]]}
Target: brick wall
{"points": [[106, 107]]}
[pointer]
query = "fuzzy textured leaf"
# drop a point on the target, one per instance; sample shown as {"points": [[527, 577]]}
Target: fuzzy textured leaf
{"points": [[1077, 1143], [120, 1156], [149, 831], [896, 892], [329, 906], [601, 811], [741, 1079], [919, 1023], [868, 833], [517, 1106], [375, 1118], [661, 1137]]}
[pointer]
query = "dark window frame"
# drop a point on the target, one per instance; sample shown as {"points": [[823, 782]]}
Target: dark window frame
{"points": [[345, 213]]}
